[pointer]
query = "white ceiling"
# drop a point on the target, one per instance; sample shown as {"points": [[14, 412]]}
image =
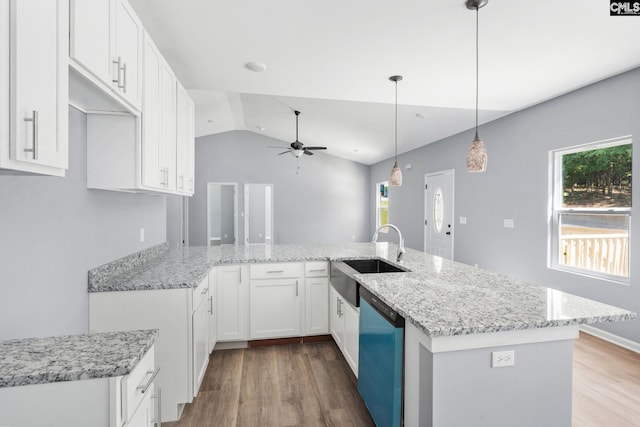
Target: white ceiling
{"points": [[331, 60]]}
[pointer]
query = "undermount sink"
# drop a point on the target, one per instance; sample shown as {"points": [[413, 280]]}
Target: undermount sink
{"points": [[366, 266], [346, 285]]}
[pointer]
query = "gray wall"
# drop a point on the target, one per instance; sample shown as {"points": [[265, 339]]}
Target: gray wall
{"points": [[326, 202], [52, 230], [516, 186], [227, 232]]}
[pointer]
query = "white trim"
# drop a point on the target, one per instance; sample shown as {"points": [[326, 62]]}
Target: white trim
{"points": [[612, 338], [497, 339]]}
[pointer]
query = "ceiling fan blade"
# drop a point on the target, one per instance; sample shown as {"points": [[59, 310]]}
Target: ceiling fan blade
{"points": [[315, 148], [276, 146], [284, 152], [308, 153]]}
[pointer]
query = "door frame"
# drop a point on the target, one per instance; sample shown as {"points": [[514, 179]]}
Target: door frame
{"points": [[451, 172], [235, 211], [246, 213]]}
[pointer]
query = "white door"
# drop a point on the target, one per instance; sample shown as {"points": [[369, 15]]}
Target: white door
{"points": [[438, 208]]}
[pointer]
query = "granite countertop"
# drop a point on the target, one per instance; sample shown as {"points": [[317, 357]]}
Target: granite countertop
{"points": [[439, 296], [72, 357]]}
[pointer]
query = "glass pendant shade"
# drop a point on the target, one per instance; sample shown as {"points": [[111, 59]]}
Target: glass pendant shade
{"points": [[477, 156], [396, 176]]}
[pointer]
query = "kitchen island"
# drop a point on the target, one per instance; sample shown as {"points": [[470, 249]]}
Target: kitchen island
{"points": [[457, 318]]}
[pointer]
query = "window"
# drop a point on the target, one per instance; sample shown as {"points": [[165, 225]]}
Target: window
{"points": [[382, 204], [591, 209]]}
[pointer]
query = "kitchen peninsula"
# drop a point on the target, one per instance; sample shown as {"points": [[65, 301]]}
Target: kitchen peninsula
{"points": [[456, 317]]}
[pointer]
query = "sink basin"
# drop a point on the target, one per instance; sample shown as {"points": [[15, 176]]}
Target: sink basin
{"points": [[366, 266]]}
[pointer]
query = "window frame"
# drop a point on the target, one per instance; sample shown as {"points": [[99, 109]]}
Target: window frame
{"points": [[377, 193], [556, 210]]}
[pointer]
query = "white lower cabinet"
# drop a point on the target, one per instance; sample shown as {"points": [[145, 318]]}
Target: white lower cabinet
{"points": [[131, 400], [232, 302], [182, 351], [344, 324], [200, 333], [276, 295], [211, 310], [316, 298]]}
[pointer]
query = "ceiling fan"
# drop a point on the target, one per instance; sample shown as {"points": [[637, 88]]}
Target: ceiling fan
{"points": [[297, 148]]}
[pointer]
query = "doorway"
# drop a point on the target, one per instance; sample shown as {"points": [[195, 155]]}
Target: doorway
{"points": [[258, 214], [222, 205], [438, 213]]}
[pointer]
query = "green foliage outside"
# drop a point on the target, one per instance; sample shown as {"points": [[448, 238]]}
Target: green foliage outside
{"points": [[598, 178]]}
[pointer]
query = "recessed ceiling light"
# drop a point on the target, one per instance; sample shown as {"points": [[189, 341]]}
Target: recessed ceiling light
{"points": [[260, 128], [255, 66], [421, 115]]}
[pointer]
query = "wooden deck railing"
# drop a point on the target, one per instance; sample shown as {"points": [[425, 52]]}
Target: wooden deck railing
{"points": [[604, 253]]}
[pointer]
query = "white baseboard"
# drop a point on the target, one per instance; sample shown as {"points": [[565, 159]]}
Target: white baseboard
{"points": [[612, 338]]}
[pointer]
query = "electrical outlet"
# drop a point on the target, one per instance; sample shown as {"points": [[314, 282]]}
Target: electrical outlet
{"points": [[508, 223], [500, 359], [463, 220]]}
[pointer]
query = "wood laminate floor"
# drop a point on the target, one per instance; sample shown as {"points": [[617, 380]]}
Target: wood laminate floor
{"points": [[311, 385]]}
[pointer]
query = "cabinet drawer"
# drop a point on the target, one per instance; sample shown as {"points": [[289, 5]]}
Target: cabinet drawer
{"points": [[316, 269], [137, 384], [200, 293], [276, 271]]}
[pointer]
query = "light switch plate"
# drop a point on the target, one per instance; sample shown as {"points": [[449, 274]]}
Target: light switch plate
{"points": [[463, 220], [508, 223]]}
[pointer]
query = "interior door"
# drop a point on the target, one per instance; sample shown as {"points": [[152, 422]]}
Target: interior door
{"points": [[438, 207]]}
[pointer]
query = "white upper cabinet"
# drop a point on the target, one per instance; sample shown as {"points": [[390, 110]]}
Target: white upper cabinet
{"points": [[127, 52], [34, 86], [167, 127], [152, 175], [185, 144], [106, 42], [90, 36]]}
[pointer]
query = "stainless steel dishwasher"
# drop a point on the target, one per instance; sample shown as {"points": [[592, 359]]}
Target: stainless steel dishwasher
{"points": [[380, 365]]}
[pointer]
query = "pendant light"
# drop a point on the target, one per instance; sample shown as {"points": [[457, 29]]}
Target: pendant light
{"points": [[396, 173], [477, 154]]}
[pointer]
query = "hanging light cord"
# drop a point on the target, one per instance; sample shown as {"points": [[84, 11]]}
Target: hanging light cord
{"points": [[396, 122], [477, 68]]}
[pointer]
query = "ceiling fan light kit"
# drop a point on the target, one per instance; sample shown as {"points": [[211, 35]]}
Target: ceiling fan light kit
{"points": [[396, 172], [477, 153]]}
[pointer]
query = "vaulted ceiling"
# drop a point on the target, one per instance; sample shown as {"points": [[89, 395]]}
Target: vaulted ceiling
{"points": [[331, 60]]}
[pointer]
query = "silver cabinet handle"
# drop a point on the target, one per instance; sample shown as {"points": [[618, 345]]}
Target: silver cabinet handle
{"points": [[181, 181], [275, 271], [339, 307], [158, 421], [191, 184], [296, 288], [317, 270], [34, 127], [124, 77], [146, 386], [118, 63], [210, 305]]}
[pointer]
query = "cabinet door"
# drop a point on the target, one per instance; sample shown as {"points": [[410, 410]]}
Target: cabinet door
{"points": [[168, 126], [200, 343], [127, 49], [152, 176], [275, 308], [213, 327], [144, 415], [90, 36], [336, 321], [351, 336], [185, 142], [190, 175], [38, 72], [317, 306], [232, 302]]}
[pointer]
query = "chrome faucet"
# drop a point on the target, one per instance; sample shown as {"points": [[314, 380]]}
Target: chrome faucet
{"points": [[400, 239]]}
